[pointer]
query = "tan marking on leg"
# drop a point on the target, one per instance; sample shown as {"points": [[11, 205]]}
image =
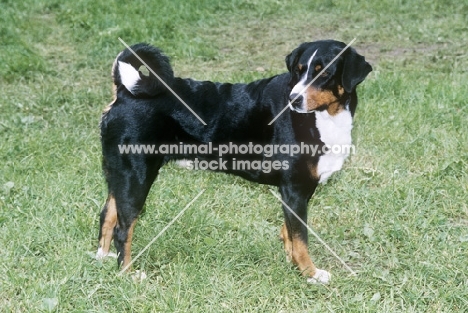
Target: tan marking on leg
{"points": [[107, 230], [128, 247], [301, 258], [286, 242]]}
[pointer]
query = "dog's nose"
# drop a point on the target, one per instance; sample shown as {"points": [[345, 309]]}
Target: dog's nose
{"points": [[295, 100]]}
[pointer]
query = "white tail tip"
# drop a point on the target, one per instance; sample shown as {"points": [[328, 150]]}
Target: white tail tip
{"points": [[128, 75]]}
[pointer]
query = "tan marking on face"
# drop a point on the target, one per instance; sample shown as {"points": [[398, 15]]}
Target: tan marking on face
{"points": [[286, 242], [107, 228], [340, 90], [318, 68], [318, 98], [301, 258], [128, 247]]}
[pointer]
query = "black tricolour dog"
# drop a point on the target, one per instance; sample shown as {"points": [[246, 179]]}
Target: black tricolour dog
{"points": [[145, 112]]}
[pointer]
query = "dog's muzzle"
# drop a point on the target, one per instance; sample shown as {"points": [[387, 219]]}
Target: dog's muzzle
{"points": [[295, 102]]}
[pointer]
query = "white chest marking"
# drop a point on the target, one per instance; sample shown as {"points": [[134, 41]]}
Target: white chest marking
{"points": [[335, 132]]}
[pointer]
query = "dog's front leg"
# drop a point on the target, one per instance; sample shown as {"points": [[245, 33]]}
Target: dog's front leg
{"points": [[294, 234]]}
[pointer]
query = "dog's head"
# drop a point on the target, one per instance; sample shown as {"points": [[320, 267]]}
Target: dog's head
{"points": [[331, 88]]}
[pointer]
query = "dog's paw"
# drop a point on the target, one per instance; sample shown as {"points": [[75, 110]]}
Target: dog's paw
{"points": [[320, 277], [187, 164], [100, 254]]}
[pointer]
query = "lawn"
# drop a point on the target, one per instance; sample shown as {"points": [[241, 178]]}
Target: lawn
{"points": [[397, 214]]}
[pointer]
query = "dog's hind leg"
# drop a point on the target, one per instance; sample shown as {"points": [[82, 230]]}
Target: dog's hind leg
{"points": [[128, 189], [123, 232], [106, 231]]}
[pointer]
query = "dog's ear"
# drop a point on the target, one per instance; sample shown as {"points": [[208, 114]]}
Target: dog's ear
{"points": [[355, 70], [293, 58]]}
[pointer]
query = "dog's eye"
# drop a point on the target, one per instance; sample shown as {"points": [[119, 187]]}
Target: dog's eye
{"points": [[318, 69]]}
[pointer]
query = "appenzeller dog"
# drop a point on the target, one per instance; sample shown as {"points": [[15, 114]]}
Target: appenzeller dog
{"points": [[145, 112]]}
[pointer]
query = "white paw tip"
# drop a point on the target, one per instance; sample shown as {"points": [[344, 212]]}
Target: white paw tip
{"points": [[187, 164], [320, 277], [100, 254], [139, 276]]}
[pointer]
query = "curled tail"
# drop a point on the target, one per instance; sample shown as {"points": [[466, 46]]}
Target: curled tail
{"points": [[130, 72]]}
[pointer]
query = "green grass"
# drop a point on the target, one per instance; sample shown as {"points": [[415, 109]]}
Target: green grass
{"points": [[397, 213]]}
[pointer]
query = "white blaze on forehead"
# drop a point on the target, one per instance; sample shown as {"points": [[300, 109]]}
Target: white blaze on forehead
{"points": [[301, 86]]}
